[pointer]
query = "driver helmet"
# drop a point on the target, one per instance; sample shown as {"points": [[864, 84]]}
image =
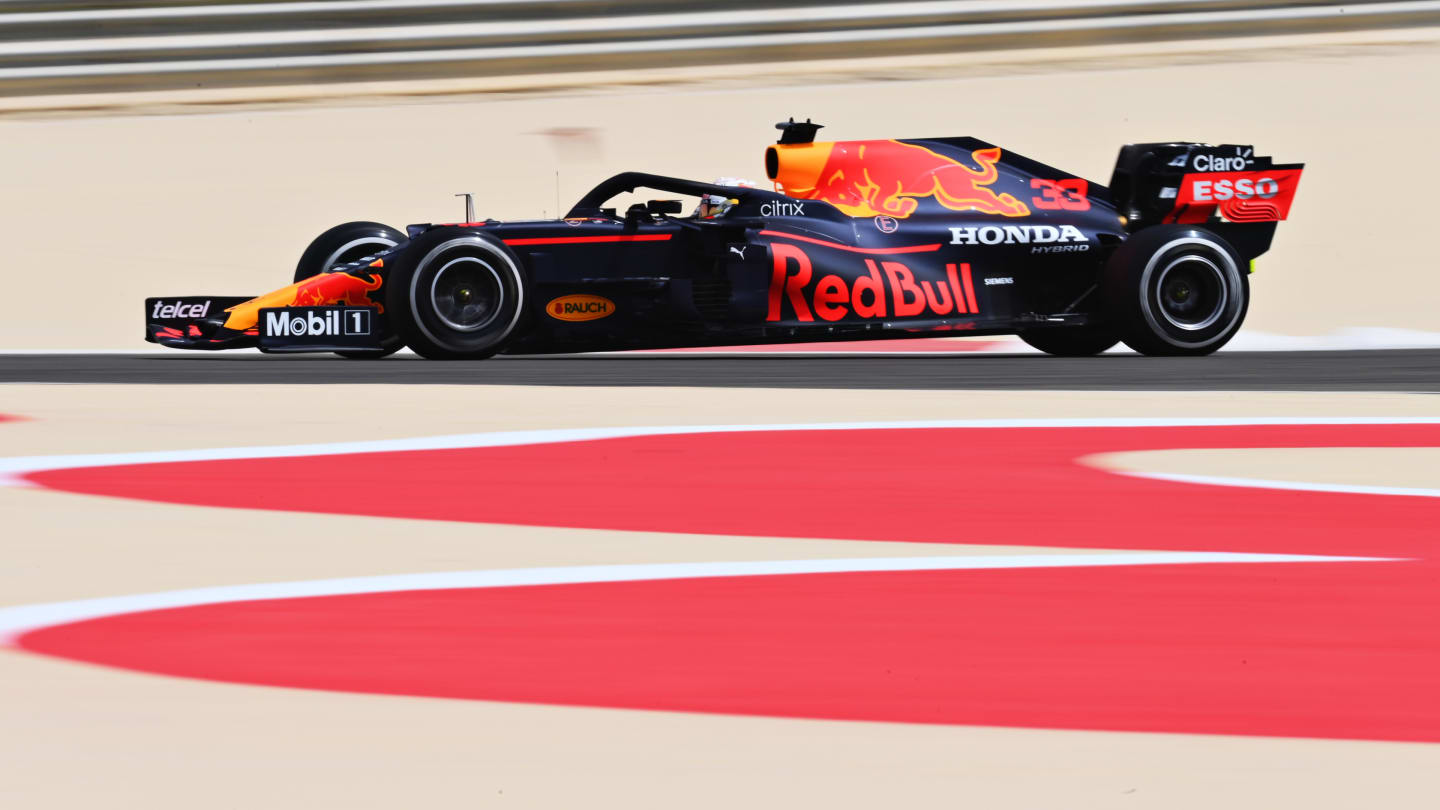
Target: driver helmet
{"points": [[714, 205]]}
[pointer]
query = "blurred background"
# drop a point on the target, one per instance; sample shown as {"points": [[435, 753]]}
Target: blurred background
{"points": [[177, 146], [184, 147]]}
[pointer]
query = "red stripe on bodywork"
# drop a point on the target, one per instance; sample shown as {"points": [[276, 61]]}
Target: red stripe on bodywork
{"points": [[847, 248], [577, 240], [969, 287]]}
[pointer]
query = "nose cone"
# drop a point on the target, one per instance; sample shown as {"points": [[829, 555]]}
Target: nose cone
{"points": [[797, 166], [243, 316]]}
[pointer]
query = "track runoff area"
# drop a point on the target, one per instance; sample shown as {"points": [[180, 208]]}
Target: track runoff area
{"points": [[861, 549], [1260, 585], [1226, 606]]}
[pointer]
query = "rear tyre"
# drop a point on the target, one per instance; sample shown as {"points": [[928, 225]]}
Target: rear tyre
{"points": [[1176, 290], [1071, 341], [347, 243], [456, 296]]}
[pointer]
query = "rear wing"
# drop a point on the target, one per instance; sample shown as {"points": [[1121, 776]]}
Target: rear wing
{"points": [[1227, 188]]}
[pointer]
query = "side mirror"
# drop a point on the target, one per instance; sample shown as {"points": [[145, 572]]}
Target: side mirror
{"points": [[664, 206]]}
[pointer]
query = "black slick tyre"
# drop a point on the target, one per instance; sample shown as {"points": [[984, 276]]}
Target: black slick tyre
{"points": [[343, 244], [1071, 341], [456, 295], [347, 243], [1176, 290]]}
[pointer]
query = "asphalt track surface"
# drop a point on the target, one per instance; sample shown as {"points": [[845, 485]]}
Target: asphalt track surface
{"points": [[1400, 370]]}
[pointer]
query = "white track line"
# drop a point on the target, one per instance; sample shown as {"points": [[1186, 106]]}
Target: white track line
{"points": [[1265, 483], [12, 468], [16, 621]]}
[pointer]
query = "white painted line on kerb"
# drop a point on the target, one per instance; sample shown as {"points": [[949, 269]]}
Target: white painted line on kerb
{"points": [[16, 621], [1266, 483], [11, 469]]}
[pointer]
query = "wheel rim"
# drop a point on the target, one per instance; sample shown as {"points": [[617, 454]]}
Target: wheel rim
{"points": [[421, 289], [1191, 293], [1217, 313], [467, 294]]}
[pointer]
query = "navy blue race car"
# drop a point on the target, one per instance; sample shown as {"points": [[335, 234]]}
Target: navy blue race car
{"points": [[859, 240]]}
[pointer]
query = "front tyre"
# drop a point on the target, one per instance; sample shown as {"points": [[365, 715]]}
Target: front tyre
{"points": [[1176, 290], [1071, 341], [456, 296], [347, 243]]}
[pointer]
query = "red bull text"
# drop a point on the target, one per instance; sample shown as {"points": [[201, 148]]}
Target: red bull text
{"points": [[889, 288]]}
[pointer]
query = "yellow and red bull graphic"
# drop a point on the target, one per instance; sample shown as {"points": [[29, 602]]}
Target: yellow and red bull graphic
{"points": [[888, 178], [324, 289], [580, 308], [888, 288], [1254, 196]]}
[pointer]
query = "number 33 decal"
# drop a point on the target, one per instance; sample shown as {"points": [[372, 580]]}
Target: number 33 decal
{"points": [[1057, 195]]}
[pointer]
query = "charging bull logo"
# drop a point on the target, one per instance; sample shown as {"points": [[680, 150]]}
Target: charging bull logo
{"points": [[337, 288], [887, 289], [316, 291], [887, 178]]}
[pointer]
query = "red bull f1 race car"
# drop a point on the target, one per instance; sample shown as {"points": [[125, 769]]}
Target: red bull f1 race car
{"points": [[859, 239]]}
